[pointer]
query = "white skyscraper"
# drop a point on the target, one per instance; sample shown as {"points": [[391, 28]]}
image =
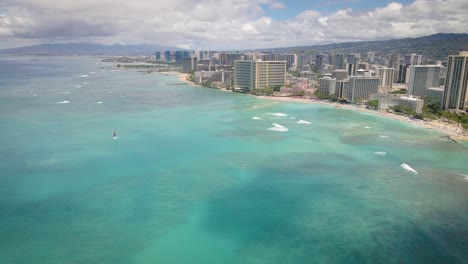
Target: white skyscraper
{"points": [[456, 85]]}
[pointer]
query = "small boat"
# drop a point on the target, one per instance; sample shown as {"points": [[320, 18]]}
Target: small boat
{"points": [[114, 135]]}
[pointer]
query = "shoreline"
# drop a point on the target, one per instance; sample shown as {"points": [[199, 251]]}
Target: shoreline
{"points": [[454, 132]]}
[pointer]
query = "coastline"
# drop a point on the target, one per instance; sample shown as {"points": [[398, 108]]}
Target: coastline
{"points": [[454, 132]]}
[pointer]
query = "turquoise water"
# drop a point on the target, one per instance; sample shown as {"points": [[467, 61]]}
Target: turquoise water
{"points": [[192, 178]]}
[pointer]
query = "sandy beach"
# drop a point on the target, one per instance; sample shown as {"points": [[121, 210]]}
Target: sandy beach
{"points": [[455, 132]]}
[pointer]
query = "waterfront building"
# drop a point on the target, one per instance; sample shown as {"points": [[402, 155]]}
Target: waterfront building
{"points": [[327, 85], [359, 88], [422, 77], [157, 55], [385, 100], [189, 64], [434, 95], [250, 75], [340, 88], [412, 103], [456, 84]]}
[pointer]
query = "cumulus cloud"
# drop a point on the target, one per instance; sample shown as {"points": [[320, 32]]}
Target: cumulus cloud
{"points": [[219, 24]]}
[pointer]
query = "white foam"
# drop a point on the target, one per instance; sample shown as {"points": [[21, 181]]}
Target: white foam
{"points": [[78, 86], [278, 114], [99, 102], [114, 137], [278, 128], [293, 117], [367, 127], [63, 102], [382, 136], [92, 72], [408, 168], [34, 95], [85, 83], [463, 175], [256, 118], [303, 122], [381, 153], [84, 76]]}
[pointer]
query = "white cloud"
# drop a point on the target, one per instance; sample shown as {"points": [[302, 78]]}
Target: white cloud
{"points": [[218, 24], [277, 5]]}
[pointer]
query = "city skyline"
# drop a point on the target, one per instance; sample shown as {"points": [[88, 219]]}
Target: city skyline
{"points": [[226, 24]]}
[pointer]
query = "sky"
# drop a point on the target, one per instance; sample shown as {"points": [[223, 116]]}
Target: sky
{"points": [[225, 24]]}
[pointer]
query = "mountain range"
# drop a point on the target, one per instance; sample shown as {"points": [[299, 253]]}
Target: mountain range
{"points": [[436, 47]]}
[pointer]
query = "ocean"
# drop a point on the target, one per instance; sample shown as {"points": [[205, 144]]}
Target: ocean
{"points": [[198, 175]]}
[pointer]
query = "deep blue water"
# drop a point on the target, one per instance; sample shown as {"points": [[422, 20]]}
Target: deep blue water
{"points": [[192, 178]]}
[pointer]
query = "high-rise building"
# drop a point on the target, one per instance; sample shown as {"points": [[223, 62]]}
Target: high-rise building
{"points": [[157, 55], [327, 85], [179, 54], [413, 59], [167, 55], [352, 60], [319, 62], [291, 61], [189, 64], [394, 61], [386, 77], [370, 56], [422, 77], [340, 61], [250, 75], [227, 58], [402, 73], [359, 88], [456, 84]]}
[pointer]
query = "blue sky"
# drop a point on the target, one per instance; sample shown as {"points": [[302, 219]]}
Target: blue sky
{"points": [[225, 24], [294, 7]]}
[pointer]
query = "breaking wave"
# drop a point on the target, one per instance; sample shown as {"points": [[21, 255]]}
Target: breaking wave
{"points": [[303, 122], [408, 168], [63, 102], [278, 128], [278, 114], [84, 76], [256, 118], [382, 153]]}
